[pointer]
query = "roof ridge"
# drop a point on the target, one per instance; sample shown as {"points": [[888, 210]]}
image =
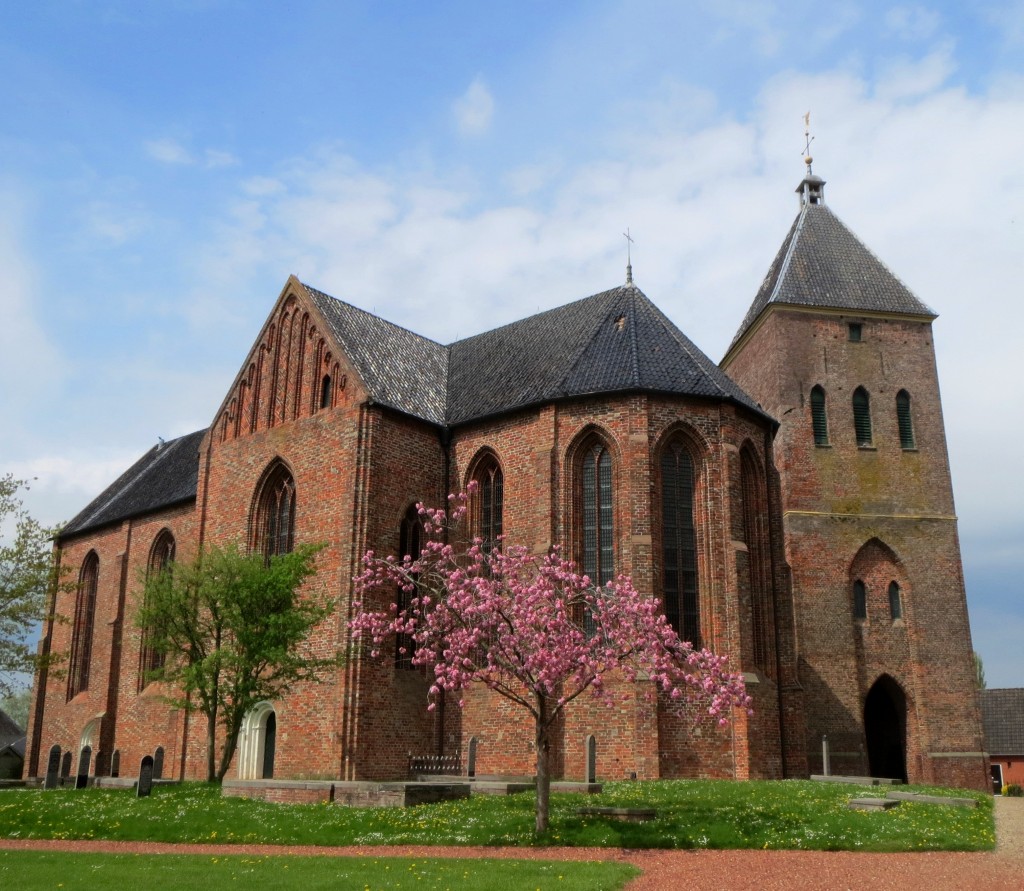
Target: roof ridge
{"points": [[372, 315]]}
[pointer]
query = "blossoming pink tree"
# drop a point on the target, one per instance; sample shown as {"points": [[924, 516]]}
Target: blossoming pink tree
{"points": [[533, 630]]}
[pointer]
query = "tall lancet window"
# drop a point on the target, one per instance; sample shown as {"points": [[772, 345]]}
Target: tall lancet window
{"points": [[679, 542]]}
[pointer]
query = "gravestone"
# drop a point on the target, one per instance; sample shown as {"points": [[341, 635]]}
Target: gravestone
{"points": [[145, 784], [65, 766], [471, 762], [83, 767], [158, 763], [115, 763], [53, 769], [591, 760]]}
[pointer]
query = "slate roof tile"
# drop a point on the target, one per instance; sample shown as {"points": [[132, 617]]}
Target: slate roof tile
{"points": [[1002, 715], [822, 263], [167, 474]]}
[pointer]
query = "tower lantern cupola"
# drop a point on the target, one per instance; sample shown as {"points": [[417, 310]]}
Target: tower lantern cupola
{"points": [[811, 189]]}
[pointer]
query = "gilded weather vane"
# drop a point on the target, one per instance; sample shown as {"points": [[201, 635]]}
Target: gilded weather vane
{"points": [[808, 139]]}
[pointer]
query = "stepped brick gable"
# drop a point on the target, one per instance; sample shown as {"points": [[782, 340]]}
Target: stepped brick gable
{"points": [[791, 508]]}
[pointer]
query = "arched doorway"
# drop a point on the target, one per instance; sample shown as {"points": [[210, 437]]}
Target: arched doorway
{"points": [[885, 729], [257, 743]]}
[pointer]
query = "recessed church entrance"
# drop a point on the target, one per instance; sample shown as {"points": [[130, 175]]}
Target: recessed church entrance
{"points": [[885, 729], [257, 743]]}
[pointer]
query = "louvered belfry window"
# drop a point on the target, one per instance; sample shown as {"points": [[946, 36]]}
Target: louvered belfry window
{"points": [[85, 616], [597, 549], [860, 600], [819, 417], [904, 420], [410, 543], [679, 543], [862, 417]]}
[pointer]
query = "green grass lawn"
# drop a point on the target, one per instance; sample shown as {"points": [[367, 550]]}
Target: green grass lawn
{"points": [[94, 872], [790, 814]]}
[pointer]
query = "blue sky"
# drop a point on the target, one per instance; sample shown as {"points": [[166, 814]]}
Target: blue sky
{"points": [[454, 166]]}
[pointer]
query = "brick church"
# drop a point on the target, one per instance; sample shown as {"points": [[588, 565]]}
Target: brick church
{"points": [[791, 507]]}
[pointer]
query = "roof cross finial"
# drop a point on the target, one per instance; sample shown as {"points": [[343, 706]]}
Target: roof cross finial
{"points": [[629, 261], [808, 139]]}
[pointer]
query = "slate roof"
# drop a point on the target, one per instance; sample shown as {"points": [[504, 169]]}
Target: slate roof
{"points": [[167, 474], [10, 732], [822, 263], [402, 370], [1002, 714], [615, 341]]}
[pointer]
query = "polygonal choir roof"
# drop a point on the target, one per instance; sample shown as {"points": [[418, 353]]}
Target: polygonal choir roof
{"points": [[614, 341], [823, 264], [1002, 715]]}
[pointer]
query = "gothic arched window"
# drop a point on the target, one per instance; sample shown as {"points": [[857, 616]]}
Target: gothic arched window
{"points": [[488, 502], [595, 533], [679, 542], [895, 602], [161, 556], [862, 417], [860, 600], [755, 535], [410, 543], [81, 635], [274, 527], [819, 416]]}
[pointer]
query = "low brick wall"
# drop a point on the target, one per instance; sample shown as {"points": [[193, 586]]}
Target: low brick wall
{"points": [[352, 794]]}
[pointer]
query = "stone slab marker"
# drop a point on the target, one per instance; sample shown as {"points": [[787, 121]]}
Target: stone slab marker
{"points": [[82, 780], [52, 769], [591, 760], [145, 784], [158, 763]]}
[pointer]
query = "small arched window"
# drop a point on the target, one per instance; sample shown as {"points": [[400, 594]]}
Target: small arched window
{"points": [[862, 417], [161, 556], [819, 417], [410, 544], [679, 542], [82, 632], [326, 392], [274, 527], [904, 420], [489, 502], [895, 602], [860, 600]]}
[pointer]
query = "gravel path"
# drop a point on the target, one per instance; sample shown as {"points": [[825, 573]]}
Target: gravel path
{"points": [[1002, 870]]}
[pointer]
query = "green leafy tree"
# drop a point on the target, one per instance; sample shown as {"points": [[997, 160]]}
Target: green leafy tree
{"points": [[231, 628], [979, 671], [26, 574], [16, 704]]}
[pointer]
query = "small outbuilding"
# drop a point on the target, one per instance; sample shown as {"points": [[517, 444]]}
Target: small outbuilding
{"points": [[12, 748], [1003, 716]]}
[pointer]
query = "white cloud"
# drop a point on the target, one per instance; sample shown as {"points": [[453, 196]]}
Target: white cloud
{"points": [[215, 159], [474, 109], [168, 151], [912, 23]]}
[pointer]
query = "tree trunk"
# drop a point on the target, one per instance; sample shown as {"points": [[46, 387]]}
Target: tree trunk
{"points": [[543, 777], [211, 745]]}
